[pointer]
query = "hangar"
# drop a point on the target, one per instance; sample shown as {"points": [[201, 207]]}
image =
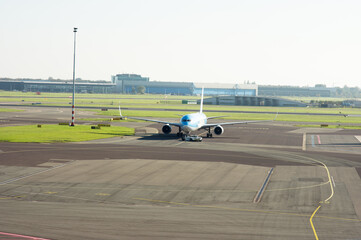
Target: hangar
{"points": [[128, 83], [317, 91], [253, 101], [38, 85], [218, 89]]}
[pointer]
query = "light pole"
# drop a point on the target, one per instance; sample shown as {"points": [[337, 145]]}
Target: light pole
{"points": [[73, 102]]}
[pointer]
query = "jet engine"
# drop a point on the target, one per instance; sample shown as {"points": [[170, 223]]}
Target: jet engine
{"points": [[166, 129], [218, 130]]}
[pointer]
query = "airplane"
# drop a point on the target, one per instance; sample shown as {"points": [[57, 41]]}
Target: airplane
{"points": [[193, 122]]}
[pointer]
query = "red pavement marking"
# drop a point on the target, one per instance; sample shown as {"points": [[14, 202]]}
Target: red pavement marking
{"points": [[12, 236]]}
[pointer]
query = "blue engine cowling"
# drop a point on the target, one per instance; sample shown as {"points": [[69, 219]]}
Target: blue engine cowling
{"points": [[218, 130], [166, 129]]}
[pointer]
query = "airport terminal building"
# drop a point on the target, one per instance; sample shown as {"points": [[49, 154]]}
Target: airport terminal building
{"points": [[38, 85], [252, 101], [129, 84], [218, 89], [294, 91]]}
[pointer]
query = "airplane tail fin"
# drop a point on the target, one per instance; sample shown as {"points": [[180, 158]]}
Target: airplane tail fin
{"points": [[276, 116], [201, 109], [120, 112]]}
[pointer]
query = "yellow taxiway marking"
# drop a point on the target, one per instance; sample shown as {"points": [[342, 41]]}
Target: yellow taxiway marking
{"points": [[313, 227], [326, 201], [102, 194], [50, 192], [7, 198], [246, 210], [296, 188]]}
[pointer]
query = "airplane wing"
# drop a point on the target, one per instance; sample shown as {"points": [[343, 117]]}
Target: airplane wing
{"points": [[216, 117], [150, 120], [154, 120], [232, 123]]}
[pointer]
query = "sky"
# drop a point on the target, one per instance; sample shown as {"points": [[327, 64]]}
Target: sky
{"points": [[278, 42]]}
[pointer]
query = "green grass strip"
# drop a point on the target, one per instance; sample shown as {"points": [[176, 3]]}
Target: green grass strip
{"points": [[59, 133]]}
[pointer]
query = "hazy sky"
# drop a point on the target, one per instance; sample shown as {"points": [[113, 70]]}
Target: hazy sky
{"points": [[295, 42]]}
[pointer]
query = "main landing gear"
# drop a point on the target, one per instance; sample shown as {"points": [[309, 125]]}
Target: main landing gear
{"points": [[209, 134], [181, 135]]}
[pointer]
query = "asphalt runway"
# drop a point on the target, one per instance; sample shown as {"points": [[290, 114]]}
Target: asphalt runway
{"points": [[152, 186]]}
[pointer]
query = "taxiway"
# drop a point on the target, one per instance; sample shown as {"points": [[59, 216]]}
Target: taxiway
{"points": [[152, 186]]}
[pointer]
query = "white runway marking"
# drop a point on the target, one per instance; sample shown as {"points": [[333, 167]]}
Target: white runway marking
{"points": [[253, 128], [333, 181], [358, 138], [304, 142], [35, 173], [178, 143]]}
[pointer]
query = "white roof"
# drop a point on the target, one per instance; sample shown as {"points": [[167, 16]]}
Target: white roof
{"points": [[225, 85]]}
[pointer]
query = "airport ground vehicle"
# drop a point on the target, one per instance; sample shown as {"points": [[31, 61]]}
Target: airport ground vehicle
{"points": [[193, 138]]}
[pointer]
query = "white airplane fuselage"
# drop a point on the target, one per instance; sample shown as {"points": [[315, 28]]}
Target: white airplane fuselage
{"points": [[193, 122]]}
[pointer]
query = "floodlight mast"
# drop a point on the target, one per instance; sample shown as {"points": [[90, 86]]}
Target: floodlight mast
{"points": [[73, 102]]}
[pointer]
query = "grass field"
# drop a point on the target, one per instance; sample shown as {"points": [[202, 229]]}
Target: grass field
{"points": [[59, 133], [148, 101], [161, 102]]}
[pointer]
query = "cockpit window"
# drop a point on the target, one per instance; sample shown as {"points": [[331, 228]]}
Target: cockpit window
{"points": [[186, 120]]}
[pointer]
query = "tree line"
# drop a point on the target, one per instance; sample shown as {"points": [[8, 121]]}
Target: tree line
{"points": [[347, 92]]}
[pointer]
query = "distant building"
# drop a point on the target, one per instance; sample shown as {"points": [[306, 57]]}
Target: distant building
{"points": [[352, 103], [226, 89], [128, 83], [123, 81], [32, 85], [11, 85], [319, 91], [68, 87], [253, 101]]}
